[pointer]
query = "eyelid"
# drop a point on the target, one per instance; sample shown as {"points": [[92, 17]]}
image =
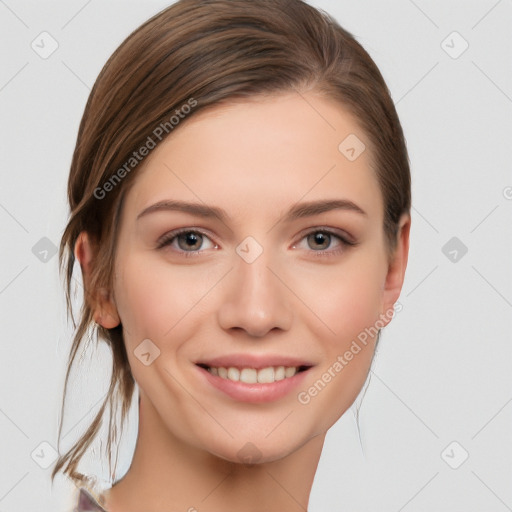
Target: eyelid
{"points": [[341, 234], [165, 240]]}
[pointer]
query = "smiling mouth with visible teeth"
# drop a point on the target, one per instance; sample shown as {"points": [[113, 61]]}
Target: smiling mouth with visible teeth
{"points": [[254, 376]]}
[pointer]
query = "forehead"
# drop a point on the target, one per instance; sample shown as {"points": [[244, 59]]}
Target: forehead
{"points": [[261, 154]]}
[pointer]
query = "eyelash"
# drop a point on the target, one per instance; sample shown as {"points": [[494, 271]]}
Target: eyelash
{"points": [[168, 238]]}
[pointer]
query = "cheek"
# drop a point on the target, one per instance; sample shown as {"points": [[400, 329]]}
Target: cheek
{"points": [[350, 305], [154, 302], [346, 299], [158, 304], [139, 300]]}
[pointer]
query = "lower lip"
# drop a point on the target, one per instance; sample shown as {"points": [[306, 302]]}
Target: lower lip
{"points": [[254, 393]]}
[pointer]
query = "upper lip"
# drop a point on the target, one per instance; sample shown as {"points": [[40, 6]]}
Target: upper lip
{"points": [[254, 361]]}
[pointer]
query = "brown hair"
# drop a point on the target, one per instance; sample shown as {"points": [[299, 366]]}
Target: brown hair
{"points": [[209, 52]]}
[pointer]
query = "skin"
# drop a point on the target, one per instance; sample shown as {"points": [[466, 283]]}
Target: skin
{"points": [[255, 159]]}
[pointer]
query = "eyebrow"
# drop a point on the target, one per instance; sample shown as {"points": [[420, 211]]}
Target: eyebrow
{"points": [[298, 211]]}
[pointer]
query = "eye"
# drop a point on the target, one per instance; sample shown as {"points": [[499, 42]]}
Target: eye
{"points": [[186, 241], [319, 240]]}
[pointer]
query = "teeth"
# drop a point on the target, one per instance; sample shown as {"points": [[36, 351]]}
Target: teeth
{"points": [[233, 373], [290, 371], [253, 376], [265, 375], [249, 375]]}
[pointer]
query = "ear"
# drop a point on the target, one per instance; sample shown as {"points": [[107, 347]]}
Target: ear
{"points": [[396, 267], [102, 303]]}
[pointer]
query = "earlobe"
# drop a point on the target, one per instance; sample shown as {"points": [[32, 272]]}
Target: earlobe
{"points": [[397, 265], [105, 313], [101, 301]]}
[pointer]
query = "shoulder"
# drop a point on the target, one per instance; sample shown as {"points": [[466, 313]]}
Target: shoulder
{"points": [[87, 502]]}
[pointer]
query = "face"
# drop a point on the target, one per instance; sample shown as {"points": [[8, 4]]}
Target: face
{"points": [[265, 250]]}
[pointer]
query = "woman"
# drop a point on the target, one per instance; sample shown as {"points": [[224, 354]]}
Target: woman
{"points": [[240, 209]]}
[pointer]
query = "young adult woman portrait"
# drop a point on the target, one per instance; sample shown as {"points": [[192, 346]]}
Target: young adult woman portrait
{"points": [[285, 247], [240, 210]]}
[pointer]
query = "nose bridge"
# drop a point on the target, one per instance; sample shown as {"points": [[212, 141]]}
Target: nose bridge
{"points": [[254, 299]]}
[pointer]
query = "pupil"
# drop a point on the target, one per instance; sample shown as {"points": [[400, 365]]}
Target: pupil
{"points": [[191, 240], [321, 239]]}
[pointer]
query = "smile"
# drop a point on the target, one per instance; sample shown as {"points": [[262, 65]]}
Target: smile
{"points": [[253, 375], [253, 381]]}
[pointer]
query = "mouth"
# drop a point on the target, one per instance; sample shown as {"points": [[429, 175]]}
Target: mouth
{"points": [[253, 379], [250, 375]]}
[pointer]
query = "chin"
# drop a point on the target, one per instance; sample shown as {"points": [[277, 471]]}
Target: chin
{"points": [[256, 450]]}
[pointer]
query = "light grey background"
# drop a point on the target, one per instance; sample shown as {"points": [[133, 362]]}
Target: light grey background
{"points": [[442, 374]]}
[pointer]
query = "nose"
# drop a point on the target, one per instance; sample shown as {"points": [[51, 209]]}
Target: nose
{"points": [[255, 300]]}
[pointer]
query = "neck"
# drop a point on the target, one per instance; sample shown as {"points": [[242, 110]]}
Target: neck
{"points": [[167, 474]]}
